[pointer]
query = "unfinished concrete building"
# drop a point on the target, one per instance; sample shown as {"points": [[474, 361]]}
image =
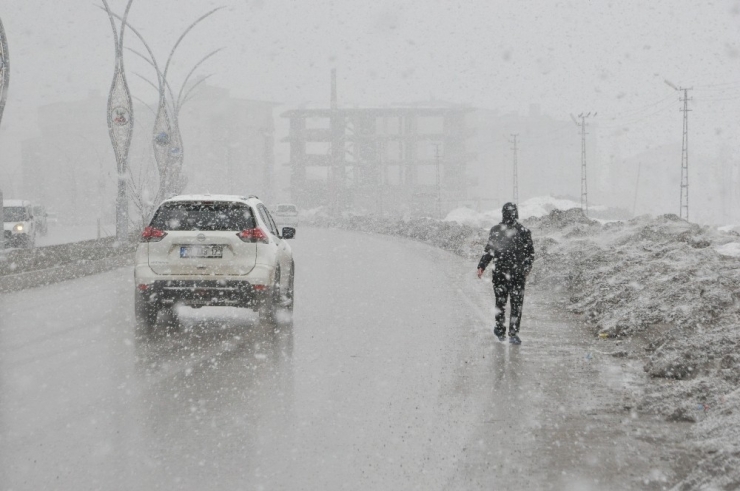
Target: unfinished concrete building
{"points": [[396, 160]]}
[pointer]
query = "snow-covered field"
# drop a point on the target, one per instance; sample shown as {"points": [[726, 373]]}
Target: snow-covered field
{"points": [[662, 292]]}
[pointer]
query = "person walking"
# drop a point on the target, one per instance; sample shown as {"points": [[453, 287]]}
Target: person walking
{"points": [[512, 252]]}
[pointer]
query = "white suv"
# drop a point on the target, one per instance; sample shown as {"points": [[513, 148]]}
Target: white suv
{"points": [[203, 250]]}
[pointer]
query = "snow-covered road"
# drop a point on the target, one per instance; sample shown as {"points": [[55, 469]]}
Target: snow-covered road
{"points": [[391, 379]]}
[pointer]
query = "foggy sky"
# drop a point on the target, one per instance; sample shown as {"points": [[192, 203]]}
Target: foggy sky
{"points": [[569, 56]]}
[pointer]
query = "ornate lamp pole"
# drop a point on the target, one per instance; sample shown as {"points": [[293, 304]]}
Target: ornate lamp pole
{"points": [[4, 81], [4, 69], [120, 124]]}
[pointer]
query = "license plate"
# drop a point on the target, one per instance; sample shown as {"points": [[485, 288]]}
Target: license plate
{"points": [[198, 302], [202, 251]]}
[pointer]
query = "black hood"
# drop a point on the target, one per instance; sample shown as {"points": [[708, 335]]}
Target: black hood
{"points": [[509, 213]]}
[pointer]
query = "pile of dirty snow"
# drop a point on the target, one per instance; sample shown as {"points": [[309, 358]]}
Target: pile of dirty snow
{"points": [[532, 208], [671, 290]]}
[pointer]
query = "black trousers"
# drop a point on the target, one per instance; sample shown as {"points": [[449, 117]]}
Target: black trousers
{"points": [[508, 286]]}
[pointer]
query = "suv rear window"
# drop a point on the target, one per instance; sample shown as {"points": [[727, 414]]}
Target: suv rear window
{"points": [[207, 216]]}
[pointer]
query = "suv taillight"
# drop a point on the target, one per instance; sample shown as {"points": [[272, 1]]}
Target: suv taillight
{"points": [[151, 234], [253, 235]]}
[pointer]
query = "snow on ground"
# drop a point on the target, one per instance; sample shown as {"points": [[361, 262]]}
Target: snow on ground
{"points": [[663, 292]]}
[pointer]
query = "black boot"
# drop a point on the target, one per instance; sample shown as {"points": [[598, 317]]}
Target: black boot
{"points": [[500, 333]]}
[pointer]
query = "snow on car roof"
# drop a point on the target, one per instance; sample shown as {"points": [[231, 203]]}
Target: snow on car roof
{"points": [[209, 197]]}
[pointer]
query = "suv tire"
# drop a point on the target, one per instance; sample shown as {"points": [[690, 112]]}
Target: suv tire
{"points": [[268, 309], [290, 294], [146, 313]]}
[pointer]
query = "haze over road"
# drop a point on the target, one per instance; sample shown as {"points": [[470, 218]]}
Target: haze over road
{"points": [[391, 379]]}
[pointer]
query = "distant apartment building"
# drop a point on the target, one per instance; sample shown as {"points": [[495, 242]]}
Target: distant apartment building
{"points": [[403, 159]]}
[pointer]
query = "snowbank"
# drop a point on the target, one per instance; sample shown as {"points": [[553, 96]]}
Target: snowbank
{"points": [[670, 290], [531, 208], [664, 291], [731, 249], [472, 218], [729, 229]]}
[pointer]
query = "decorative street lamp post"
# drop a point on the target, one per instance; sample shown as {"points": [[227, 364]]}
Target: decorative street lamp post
{"points": [[166, 137], [4, 69], [120, 124], [4, 81]]}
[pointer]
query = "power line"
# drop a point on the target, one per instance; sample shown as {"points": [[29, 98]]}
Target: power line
{"points": [[718, 99], [639, 119], [637, 112], [720, 86]]}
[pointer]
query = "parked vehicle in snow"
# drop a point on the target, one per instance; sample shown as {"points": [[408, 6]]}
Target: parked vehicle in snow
{"points": [[286, 214], [19, 228], [203, 250]]}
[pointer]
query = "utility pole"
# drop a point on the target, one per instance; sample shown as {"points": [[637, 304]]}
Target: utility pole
{"points": [[516, 172], [684, 210], [584, 181], [439, 182], [684, 203]]}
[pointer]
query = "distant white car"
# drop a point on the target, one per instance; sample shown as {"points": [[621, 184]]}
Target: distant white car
{"points": [[203, 250], [19, 227], [286, 214]]}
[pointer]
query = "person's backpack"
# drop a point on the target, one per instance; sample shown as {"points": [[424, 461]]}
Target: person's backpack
{"points": [[503, 239]]}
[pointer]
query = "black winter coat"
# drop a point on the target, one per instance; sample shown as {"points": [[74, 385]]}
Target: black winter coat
{"points": [[510, 247]]}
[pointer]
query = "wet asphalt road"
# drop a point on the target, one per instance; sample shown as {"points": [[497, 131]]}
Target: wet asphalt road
{"points": [[389, 379]]}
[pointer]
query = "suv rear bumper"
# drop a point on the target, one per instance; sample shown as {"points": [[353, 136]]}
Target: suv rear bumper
{"points": [[203, 293], [248, 291]]}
